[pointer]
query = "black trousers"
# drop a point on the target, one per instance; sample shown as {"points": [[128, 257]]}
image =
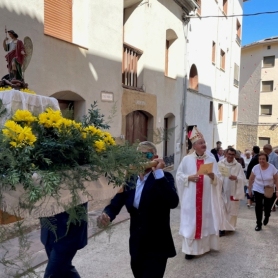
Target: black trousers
{"points": [[59, 264], [261, 202], [148, 266]]}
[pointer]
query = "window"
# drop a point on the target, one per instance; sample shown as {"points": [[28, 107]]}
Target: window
{"points": [[58, 19], [269, 62], [238, 32], [269, 47], [167, 57], [220, 112], [263, 141], [236, 75], [211, 111], [170, 54], [131, 56], [200, 6], [225, 6], [267, 86], [213, 52], [266, 110], [193, 78], [234, 115], [222, 59]]}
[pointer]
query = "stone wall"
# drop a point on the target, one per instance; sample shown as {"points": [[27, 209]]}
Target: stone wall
{"points": [[270, 131], [246, 136]]}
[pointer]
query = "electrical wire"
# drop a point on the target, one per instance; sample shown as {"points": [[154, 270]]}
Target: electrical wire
{"points": [[234, 15]]}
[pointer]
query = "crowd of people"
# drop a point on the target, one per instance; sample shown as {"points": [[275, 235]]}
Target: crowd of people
{"points": [[209, 186]]}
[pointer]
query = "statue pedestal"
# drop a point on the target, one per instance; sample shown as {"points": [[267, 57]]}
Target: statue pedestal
{"points": [[13, 100]]}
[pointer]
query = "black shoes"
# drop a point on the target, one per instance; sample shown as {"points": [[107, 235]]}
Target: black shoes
{"points": [[258, 228], [266, 220], [221, 233], [189, 257]]}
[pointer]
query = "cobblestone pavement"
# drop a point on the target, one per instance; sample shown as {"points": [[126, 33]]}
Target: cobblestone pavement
{"points": [[244, 253]]}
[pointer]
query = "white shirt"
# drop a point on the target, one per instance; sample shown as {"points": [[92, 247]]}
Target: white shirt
{"points": [[263, 177], [246, 161], [158, 174]]}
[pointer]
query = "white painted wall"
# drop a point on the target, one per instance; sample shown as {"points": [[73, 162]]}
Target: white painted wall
{"points": [[60, 66], [214, 84], [145, 28]]}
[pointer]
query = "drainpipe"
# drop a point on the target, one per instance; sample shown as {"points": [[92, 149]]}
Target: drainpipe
{"points": [[183, 124]]}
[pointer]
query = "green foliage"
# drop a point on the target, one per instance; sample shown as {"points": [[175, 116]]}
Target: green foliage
{"points": [[94, 117]]}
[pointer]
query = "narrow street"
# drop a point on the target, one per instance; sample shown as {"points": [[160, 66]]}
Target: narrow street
{"points": [[244, 253]]}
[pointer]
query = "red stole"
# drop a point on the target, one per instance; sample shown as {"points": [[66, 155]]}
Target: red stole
{"points": [[199, 202]]}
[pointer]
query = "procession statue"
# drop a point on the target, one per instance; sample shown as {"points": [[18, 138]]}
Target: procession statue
{"points": [[18, 58]]}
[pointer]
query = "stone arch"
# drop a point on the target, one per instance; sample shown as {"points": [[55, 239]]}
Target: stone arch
{"points": [[72, 100]]}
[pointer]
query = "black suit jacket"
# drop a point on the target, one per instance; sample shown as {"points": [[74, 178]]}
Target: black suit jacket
{"points": [[75, 238], [214, 152], [150, 231], [254, 161]]}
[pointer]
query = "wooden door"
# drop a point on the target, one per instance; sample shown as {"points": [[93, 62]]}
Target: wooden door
{"points": [[136, 126]]}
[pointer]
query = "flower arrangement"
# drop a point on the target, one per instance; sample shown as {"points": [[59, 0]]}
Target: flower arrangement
{"points": [[61, 152], [28, 91]]}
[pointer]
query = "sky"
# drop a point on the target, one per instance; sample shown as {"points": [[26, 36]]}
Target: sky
{"points": [[255, 28]]}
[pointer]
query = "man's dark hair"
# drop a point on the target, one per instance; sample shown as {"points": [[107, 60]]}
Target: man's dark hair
{"points": [[231, 150], [256, 149], [218, 142]]}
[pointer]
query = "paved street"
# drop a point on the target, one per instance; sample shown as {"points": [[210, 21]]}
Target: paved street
{"points": [[245, 253]]}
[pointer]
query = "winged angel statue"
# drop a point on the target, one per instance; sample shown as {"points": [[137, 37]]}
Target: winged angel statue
{"points": [[18, 57]]}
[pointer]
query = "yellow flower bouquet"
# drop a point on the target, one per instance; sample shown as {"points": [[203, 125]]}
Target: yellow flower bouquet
{"points": [[63, 153]]}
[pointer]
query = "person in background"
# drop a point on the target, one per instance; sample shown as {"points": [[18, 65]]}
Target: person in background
{"points": [[272, 159], [149, 204], [220, 153], [215, 150], [263, 174], [239, 159], [247, 158], [254, 161]]}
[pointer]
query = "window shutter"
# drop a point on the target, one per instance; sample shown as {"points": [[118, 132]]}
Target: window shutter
{"points": [[58, 19], [269, 61], [267, 86]]}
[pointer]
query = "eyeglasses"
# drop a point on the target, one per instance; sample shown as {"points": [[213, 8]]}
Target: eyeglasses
{"points": [[148, 155]]}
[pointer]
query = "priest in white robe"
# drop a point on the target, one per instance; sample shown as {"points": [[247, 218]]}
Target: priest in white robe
{"points": [[232, 190], [199, 199]]}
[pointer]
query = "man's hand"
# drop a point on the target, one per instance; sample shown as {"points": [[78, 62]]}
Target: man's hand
{"points": [[211, 175], [233, 178], [193, 178], [160, 165], [103, 220]]}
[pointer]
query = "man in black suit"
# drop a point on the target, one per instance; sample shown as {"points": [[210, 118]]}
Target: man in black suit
{"points": [[215, 150], [254, 161], [148, 198], [62, 242]]}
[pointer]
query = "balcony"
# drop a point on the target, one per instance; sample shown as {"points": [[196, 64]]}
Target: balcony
{"points": [[236, 82], [131, 56], [238, 40]]}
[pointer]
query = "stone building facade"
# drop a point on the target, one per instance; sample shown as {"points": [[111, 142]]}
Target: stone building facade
{"points": [[258, 98]]}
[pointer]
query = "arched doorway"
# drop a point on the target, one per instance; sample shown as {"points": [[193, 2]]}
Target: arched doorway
{"points": [[136, 126], [73, 101]]}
